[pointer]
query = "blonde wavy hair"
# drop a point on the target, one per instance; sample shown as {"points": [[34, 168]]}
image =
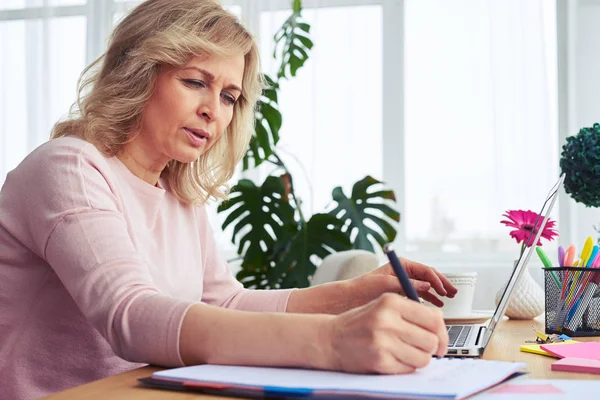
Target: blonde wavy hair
{"points": [[113, 90]]}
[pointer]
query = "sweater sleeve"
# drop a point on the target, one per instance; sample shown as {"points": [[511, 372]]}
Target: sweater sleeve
{"points": [[75, 222], [220, 286]]}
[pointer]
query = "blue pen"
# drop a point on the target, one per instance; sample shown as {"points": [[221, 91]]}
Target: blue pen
{"points": [[408, 288]]}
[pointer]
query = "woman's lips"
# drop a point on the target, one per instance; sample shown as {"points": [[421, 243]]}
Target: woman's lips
{"points": [[197, 138]]}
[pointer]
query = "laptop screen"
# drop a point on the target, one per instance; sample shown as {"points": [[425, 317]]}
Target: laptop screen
{"points": [[524, 257]]}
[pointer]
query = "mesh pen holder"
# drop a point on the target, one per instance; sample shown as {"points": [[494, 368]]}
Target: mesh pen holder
{"points": [[572, 300]]}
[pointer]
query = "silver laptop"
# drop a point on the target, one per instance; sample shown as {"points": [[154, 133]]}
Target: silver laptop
{"points": [[470, 340]]}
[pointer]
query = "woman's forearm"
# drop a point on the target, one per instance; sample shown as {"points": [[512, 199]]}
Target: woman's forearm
{"points": [[340, 296], [328, 298], [216, 335]]}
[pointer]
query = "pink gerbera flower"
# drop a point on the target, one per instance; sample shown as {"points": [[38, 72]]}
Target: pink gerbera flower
{"points": [[526, 228]]}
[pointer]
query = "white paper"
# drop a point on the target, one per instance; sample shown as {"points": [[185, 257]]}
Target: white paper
{"points": [[453, 378], [569, 389]]}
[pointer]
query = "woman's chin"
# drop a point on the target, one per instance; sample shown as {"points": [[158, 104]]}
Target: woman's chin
{"points": [[188, 156]]}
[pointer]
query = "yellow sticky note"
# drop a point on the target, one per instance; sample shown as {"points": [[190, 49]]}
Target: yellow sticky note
{"points": [[535, 348]]}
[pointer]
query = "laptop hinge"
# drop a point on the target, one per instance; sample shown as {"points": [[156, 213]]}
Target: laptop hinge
{"points": [[480, 335]]}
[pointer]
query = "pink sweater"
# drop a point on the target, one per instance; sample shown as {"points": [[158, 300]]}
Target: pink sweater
{"points": [[97, 270]]}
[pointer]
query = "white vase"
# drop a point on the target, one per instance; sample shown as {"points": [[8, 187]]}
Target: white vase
{"points": [[527, 299]]}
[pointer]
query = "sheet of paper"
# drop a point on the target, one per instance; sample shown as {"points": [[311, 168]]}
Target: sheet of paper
{"points": [[453, 378], [535, 388], [547, 389]]}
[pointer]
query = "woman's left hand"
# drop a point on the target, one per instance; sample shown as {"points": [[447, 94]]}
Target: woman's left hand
{"points": [[371, 285]]}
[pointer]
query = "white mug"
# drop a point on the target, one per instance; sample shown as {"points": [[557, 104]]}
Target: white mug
{"points": [[461, 305]]}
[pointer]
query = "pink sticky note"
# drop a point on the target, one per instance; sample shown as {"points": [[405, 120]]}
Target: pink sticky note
{"points": [[546, 388], [588, 350], [577, 365]]}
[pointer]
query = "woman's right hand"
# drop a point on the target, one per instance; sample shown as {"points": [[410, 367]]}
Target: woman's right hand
{"points": [[389, 335]]}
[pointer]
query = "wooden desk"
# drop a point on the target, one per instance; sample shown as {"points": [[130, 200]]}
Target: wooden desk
{"points": [[504, 346]]}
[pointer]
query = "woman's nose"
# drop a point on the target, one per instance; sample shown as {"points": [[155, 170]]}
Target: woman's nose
{"points": [[209, 107]]}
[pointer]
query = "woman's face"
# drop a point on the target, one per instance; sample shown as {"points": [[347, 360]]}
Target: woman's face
{"points": [[190, 108]]}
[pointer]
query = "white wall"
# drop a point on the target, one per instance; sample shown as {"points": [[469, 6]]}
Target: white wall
{"points": [[579, 68], [587, 92]]}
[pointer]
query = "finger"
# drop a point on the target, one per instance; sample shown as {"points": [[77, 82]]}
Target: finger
{"points": [[390, 364], [425, 273], [432, 298], [420, 286], [441, 333], [409, 355], [450, 288], [426, 317], [420, 315], [401, 368], [443, 344], [394, 285], [418, 337]]}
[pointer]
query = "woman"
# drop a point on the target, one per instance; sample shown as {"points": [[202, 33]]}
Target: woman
{"points": [[107, 260]]}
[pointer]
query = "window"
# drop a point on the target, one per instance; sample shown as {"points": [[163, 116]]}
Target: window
{"points": [[24, 4], [481, 122], [42, 58]]}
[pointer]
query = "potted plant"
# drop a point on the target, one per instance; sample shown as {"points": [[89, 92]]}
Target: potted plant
{"points": [[280, 247]]}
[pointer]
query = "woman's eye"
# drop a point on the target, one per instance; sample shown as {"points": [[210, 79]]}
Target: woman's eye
{"points": [[194, 83], [229, 99]]}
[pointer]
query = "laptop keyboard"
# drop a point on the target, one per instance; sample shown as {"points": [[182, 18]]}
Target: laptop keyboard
{"points": [[458, 335]]}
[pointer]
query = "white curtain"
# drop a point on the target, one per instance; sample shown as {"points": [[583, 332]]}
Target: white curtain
{"points": [[481, 122], [42, 49]]}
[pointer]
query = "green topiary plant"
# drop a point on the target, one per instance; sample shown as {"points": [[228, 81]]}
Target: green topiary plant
{"points": [[580, 162], [280, 247]]}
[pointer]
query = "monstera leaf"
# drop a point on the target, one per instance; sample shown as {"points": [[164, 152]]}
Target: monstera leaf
{"points": [[259, 214], [366, 213], [296, 255], [292, 41], [266, 126], [277, 250]]}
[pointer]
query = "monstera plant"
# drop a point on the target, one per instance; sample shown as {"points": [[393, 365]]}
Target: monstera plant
{"points": [[280, 247]]}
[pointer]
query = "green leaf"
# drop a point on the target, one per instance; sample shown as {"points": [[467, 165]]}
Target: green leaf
{"points": [[385, 194], [367, 204], [293, 258], [258, 213], [292, 43], [304, 26], [306, 42], [266, 127], [299, 252], [262, 138], [386, 209], [273, 118], [253, 278]]}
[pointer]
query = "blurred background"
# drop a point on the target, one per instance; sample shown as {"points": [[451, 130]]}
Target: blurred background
{"points": [[461, 106]]}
